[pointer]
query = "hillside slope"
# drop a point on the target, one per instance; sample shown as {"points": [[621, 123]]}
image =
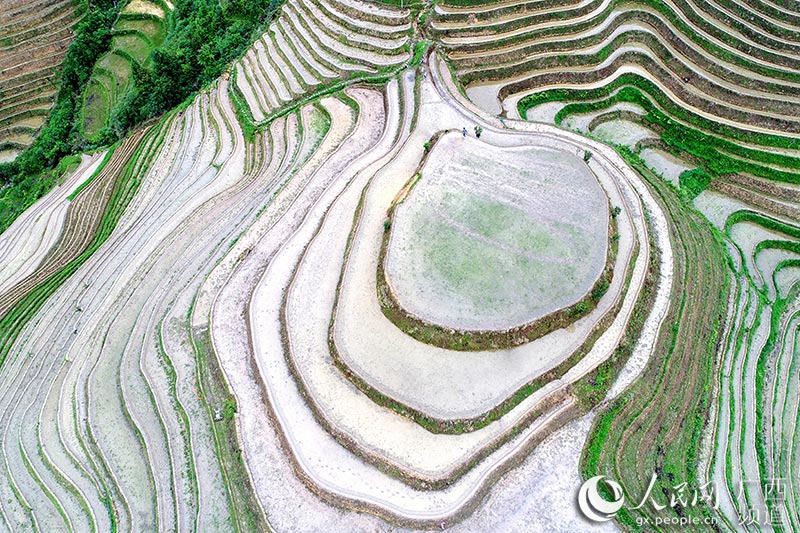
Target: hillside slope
{"points": [[199, 332], [34, 37]]}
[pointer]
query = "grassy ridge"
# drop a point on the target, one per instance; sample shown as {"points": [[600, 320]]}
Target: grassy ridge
{"points": [[657, 424], [126, 185], [245, 511], [706, 140]]}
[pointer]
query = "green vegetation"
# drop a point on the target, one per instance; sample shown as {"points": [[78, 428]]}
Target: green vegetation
{"points": [[694, 181], [704, 140], [135, 36], [769, 458], [420, 49], [657, 424], [35, 171], [204, 37], [762, 220], [229, 411], [59, 136]]}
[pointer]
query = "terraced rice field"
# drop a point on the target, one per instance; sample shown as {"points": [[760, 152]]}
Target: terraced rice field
{"points": [[140, 28], [34, 36], [489, 239], [315, 46], [426, 267], [679, 85]]}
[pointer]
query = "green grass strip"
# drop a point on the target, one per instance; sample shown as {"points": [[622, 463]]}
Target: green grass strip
{"points": [[12, 323], [767, 222], [91, 178], [710, 148], [686, 415]]}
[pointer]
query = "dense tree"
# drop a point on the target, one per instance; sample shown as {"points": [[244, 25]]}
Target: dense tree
{"points": [[205, 36]]}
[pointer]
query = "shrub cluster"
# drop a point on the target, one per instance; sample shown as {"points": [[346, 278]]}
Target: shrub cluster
{"points": [[694, 181], [204, 37]]}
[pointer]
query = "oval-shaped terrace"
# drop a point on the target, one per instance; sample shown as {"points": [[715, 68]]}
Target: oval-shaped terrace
{"points": [[491, 238], [412, 371]]}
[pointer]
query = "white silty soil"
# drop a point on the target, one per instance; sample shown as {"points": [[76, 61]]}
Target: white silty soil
{"points": [[495, 237]]}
